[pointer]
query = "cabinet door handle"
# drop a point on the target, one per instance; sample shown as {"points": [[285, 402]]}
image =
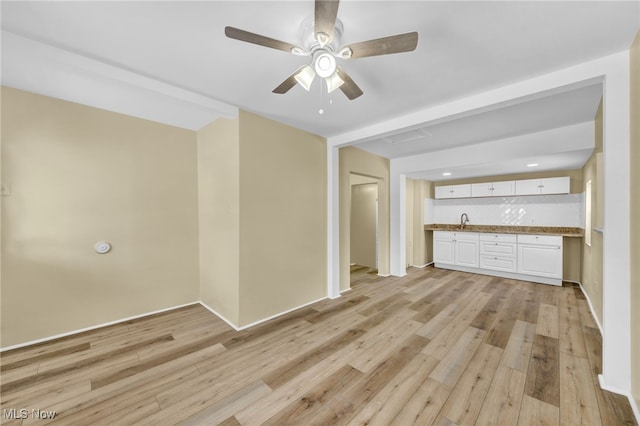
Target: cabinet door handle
{"points": [[496, 243]]}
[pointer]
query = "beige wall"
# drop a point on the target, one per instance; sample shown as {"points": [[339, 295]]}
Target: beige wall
{"points": [[283, 231], [262, 203], [354, 160], [419, 241], [219, 216], [80, 175], [409, 221], [592, 256], [363, 224], [635, 214]]}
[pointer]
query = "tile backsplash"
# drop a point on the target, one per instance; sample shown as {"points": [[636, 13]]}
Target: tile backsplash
{"points": [[537, 210]]}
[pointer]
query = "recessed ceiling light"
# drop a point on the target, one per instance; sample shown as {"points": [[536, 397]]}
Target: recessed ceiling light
{"points": [[532, 165], [446, 174]]}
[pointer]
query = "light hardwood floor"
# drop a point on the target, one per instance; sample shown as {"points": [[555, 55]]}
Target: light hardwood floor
{"points": [[434, 347]]}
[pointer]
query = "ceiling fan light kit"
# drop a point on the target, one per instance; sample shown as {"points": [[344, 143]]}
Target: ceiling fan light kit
{"points": [[322, 37], [333, 82], [305, 77]]}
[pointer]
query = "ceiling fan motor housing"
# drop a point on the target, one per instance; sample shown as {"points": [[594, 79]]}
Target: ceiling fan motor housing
{"points": [[309, 40]]}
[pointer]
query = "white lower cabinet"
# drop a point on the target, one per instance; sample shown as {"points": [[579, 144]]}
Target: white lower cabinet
{"points": [[456, 248], [540, 255], [498, 252], [443, 250], [536, 258]]}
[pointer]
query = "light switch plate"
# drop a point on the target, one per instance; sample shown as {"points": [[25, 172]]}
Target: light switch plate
{"points": [[5, 189]]}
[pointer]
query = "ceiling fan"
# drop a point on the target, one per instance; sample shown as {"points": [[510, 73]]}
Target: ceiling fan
{"points": [[322, 45]]}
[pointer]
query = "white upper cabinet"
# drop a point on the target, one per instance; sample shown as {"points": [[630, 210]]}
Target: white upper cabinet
{"points": [[493, 189], [559, 185], [503, 189], [453, 191]]}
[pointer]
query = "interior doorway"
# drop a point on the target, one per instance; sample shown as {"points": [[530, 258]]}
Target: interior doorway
{"points": [[364, 228]]}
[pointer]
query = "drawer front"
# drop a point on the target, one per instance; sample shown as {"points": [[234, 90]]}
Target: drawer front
{"points": [[498, 263], [466, 236], [498, 249], [456, 236], [443, 235], [500, 238], [543, 240]]}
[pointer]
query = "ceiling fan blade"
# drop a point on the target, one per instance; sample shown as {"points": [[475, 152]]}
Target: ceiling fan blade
{"points": [[326, 12], [384, 46], [286, 85], [349, 87], [258, 39]]}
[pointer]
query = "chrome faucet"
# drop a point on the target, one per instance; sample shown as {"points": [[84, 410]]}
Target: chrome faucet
{"points": [[464, 219]]}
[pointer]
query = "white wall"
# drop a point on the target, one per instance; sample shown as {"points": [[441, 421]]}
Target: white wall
{"points": [[540, 210]]}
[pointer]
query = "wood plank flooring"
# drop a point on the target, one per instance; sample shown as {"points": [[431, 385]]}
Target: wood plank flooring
{"points": [[435, 347]]}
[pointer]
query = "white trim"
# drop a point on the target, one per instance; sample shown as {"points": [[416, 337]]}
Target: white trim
{"points": [[244, 327], [219, 315], [384, 275], [345, 290], [634, 407], [421, 266], [93, 327], [632, 401], [207, 307], [593, 312], [280, 314]]}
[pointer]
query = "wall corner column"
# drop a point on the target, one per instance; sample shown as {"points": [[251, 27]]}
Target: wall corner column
{"points": [[398, 222], [616, 347], [333, 222]]}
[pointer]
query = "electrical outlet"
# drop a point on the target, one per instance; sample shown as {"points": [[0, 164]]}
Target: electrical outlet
{"points": [[5, 189]]}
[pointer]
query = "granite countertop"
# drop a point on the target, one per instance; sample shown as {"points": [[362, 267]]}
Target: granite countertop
{"points": [[501, 229]]}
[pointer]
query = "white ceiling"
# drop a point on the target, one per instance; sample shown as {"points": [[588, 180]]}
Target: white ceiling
{"points": [[178, 50], [528, 116]]}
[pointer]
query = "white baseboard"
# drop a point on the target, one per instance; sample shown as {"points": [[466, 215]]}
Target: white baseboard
{"points": [[219, 315], [593, 312], [209, 308], [93, 327], [632, 401], [280, 314], [421, 266], [634, 407]]}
